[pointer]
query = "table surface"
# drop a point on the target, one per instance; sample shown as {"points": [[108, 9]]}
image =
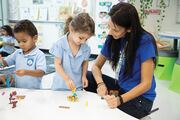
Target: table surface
{"points": [[44, 105], [172, 35]]}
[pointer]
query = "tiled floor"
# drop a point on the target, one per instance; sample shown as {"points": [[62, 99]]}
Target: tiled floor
{"points": [[167, 100]]}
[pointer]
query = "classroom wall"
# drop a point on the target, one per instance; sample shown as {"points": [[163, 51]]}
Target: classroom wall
{"points": [[169, 22]]}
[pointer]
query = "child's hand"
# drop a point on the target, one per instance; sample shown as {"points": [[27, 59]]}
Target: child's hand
{"points": [[1, 43], [3, 78], [84, 82], [12, 80], [1, 61], [70, 84], [20, 72]]}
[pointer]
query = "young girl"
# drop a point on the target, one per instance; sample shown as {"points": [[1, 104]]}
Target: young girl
{"points": [[7, 47], [7, 41], [72, 53], [29, 61]]}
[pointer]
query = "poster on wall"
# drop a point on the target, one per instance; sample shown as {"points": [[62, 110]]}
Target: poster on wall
{"points": [[82, 6], [13, 9], [101, 20], [37, 1], [178, 12], [24, 13]]}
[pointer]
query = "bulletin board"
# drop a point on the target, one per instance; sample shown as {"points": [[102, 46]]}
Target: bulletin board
{"points": [[48, 16]]}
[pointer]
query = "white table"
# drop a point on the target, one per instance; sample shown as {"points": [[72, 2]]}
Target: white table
{"points": [[171, 35], [44, 105]]}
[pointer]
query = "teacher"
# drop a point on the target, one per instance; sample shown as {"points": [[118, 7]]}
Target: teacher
{"points": [[132, 52]]}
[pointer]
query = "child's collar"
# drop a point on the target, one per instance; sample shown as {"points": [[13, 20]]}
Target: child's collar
{"points": [[32, 52]]}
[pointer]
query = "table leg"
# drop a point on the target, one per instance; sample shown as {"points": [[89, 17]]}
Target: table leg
{"points": [[175, 44]]}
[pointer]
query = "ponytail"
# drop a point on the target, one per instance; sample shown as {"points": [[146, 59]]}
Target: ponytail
{"points": [[68, 21]]}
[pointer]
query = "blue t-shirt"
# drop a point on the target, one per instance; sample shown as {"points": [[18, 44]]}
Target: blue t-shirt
{"points": [[145, 51], [31, 61], [72, 65]]}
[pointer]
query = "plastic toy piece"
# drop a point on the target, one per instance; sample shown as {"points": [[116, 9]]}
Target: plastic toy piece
{"points": [[65, 107], [20, 97], [113, 92], [86, 103], [14, 104], [13, 99], [73, 97], [3, 93]]}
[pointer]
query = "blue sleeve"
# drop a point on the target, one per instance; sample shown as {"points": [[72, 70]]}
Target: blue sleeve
{"points": [[105, 51], [11, 59], [41, 62], [11, 40], [87, 53], [147, 51], [57, 50]]}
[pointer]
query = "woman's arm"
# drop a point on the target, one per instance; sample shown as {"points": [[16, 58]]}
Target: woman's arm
{"points": [[96, 68], [147, 70]]}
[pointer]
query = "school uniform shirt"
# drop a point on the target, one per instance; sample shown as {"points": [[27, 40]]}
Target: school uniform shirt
{"points": [[31, 61], [7, 48], [72, 65], [145, 51]]}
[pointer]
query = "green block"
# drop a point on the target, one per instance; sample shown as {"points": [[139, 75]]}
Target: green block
{"points": [[165, 67], [175, 82]]}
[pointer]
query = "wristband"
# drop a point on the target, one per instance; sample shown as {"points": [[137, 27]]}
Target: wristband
{"points": [[121, 99], [99, 84]]}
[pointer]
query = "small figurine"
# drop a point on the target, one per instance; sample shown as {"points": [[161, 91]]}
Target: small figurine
{"points": [[73, 97], [13, 99]]}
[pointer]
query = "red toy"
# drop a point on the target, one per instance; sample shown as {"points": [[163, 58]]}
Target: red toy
{"points": [[13, 99]]}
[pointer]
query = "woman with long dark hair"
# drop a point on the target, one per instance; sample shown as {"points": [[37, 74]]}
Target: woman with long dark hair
{"points": [[132, 52]]}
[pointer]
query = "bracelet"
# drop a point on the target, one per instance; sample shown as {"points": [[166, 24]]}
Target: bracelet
{"points": [[121, 99], [99, 84]]}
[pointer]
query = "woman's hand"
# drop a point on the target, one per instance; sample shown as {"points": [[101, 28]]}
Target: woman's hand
{"points": [[102, 89], [112, 101], [84, 82]]}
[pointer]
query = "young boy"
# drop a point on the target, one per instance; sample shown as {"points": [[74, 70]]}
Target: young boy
{"points": [[29, 61]]}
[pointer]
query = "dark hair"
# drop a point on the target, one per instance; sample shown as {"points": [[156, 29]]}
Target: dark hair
{"points": [[8, 29], [125, 15], [81, 23], [25, 26]]}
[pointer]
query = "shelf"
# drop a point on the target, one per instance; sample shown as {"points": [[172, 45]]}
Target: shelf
{"points": [[39, 21]]}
